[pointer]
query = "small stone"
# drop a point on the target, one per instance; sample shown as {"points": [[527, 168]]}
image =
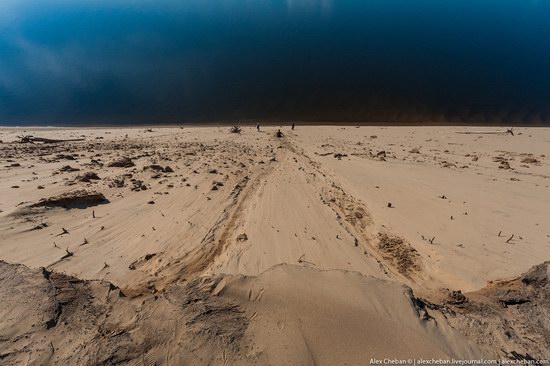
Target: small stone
{"points": [[88, 176], [123, 162], [530, 160], [68, 168]]}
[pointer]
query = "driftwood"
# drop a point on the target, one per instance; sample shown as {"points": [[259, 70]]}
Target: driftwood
{"points": [[32, 139], [509, 131]]}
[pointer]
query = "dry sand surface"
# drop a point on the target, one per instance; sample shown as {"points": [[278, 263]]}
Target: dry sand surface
{"points": [[330, 246]]}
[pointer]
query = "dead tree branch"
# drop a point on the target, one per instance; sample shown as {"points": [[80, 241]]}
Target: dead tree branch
{"points": [[31, 139]]}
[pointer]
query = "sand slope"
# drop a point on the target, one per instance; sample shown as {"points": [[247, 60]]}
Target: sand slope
{"points": [[286, 315]]}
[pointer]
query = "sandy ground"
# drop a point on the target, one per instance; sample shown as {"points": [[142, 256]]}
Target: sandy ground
{"points": [[332, 245]]}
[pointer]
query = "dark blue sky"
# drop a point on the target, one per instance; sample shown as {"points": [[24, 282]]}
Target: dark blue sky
{"points": [[477, 61]]}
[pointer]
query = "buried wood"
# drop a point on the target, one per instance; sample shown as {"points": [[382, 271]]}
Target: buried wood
{"points": [[32, 139], [509, 131], [65, 231], [69, 254]]}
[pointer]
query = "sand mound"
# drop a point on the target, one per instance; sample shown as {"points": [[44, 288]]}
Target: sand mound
{"points": [[306, 316], [50, 318], [287, 315], [509, 315], [76, 198]]}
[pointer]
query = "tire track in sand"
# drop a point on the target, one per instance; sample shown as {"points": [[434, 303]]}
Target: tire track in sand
{"points": [[216, 239]]}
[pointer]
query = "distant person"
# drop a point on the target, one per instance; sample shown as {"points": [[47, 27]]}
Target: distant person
{"points": [[258, 126], [279, 134], [292, 126]]}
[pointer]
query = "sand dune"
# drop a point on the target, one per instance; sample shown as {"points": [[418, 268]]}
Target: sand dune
{"points": [[332, 245]]}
